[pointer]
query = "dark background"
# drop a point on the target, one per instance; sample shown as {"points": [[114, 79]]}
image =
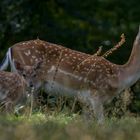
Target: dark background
{"points": [[77, 24], [82, 25]]}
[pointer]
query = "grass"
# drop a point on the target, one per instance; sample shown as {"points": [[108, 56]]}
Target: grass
{"points": [[67, 127], [57, 123]]}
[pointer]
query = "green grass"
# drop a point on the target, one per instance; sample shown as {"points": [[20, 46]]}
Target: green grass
{"points": [[65, 127]]}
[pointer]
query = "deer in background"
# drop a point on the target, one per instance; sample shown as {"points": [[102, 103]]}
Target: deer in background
{"points": [[93, 80], [12, 91]]}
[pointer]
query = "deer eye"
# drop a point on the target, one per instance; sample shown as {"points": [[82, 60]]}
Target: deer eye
{"points": [[24, 75]]}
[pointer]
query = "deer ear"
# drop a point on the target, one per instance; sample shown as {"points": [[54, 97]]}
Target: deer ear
{"points": [[38, 65], [18, 65]]}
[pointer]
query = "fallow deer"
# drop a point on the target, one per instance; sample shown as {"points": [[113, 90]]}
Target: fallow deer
{"points": [[12, 90], [93, 80]]}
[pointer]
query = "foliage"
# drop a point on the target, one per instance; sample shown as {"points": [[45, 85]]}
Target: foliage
{"points": [[80, 25]]}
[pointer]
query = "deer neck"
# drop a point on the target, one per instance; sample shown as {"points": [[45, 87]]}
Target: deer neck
{"points": [[130, 72]]}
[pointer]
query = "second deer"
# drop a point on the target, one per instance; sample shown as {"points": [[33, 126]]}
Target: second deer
{"points": [[12, 91]]}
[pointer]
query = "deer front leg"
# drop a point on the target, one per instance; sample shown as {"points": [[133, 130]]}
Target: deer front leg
{"points": [[97, 107]]}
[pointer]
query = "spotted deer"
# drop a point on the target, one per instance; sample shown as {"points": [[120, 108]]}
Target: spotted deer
{"points": [[92, 79], [12, 91]]}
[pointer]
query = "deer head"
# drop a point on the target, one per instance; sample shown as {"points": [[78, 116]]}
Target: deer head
{"points": [[30, 73]]}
